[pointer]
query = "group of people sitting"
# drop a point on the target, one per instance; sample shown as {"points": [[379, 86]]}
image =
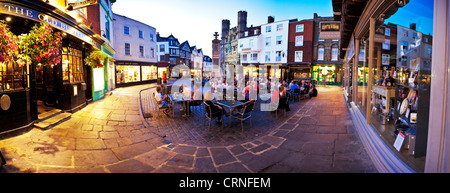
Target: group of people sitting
{"points": [[164, 100]]}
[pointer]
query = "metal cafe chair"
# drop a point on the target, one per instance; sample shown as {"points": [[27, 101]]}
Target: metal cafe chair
{"points": [[296, 93], [245, 114], [209, 115]]}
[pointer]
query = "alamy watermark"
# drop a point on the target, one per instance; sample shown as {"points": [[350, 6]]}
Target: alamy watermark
{"points": [[223, 82]]}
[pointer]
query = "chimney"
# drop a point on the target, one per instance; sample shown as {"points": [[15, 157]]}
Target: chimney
{"points": [[157, 34], [412, 26], [270, 19]]}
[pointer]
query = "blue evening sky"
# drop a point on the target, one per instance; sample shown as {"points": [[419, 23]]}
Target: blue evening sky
{"points": [[197, 20], [416, 11]]}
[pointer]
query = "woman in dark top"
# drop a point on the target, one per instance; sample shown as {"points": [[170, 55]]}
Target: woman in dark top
{"points": [[214, 108]]}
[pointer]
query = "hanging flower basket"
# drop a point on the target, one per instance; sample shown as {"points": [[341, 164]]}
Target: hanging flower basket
{"points": [[8, 46], [96, 59], [42, 45]]}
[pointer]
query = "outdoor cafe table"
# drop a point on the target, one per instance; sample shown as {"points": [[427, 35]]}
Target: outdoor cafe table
{"points": [[230, 104], [179, 98]]}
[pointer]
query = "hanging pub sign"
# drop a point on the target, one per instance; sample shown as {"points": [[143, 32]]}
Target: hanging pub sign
{"points": [[80, 4], [330, 30]]}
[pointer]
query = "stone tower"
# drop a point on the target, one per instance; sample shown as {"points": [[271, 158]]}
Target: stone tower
{"points": [[216, 50], [225, 27], [242, 21]]}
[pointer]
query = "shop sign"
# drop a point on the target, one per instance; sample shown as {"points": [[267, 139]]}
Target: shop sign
{"points": [[82, 4], [330, 30], [40, 17], [325, 27]]}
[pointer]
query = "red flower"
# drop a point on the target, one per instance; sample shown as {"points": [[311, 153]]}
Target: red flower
{"points": [[38, 59], [35, 46]]}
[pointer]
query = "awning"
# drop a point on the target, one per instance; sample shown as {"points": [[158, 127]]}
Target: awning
{"points": [[163, 64]]}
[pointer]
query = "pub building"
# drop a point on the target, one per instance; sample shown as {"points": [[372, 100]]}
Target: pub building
{"points": [[396, 104], [25, 91]]}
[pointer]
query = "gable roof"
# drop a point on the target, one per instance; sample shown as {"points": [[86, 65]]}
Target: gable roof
{"points": [[185, 45], [166, 39]]}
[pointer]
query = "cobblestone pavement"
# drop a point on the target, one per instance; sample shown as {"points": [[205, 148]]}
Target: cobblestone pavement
{"points": [[110, 135]]}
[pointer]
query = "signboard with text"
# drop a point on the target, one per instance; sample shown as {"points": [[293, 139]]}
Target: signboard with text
{"points": [[330, 30]]}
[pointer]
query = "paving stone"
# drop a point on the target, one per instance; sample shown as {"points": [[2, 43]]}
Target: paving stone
{"points": [[109, 134], [260, 148], [318, 148], [204, 165], [91, 158], [181, 160], [238, 149], [202, 152], [88, 144], [171, 169], [130, 166], [132, 150], [272, 140], [235, 167], [221, 156], [185, 149], [155, 157]]}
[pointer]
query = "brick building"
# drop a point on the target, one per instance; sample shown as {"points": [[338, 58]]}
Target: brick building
{"points": [[300, 49]]}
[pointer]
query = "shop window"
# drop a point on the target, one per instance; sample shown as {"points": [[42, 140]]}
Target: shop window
{"points": [[128, 73], [72, 65], [149, 72], [13, 76], [392, 106]]}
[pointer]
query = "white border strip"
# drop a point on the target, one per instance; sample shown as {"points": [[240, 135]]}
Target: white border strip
{"points": [[381, 155]]}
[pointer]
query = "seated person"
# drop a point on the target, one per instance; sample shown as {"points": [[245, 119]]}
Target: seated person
{"points": [[305, 88], [214, 108], [163, 100], [294, 86]]}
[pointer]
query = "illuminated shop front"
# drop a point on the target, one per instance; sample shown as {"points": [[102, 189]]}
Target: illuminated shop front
{"points": [[61, 82], [327, 74], [133, 73], [388, 74]]}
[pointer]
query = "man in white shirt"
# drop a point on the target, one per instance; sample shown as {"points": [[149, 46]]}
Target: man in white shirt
{"points": [[163, 101]]}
